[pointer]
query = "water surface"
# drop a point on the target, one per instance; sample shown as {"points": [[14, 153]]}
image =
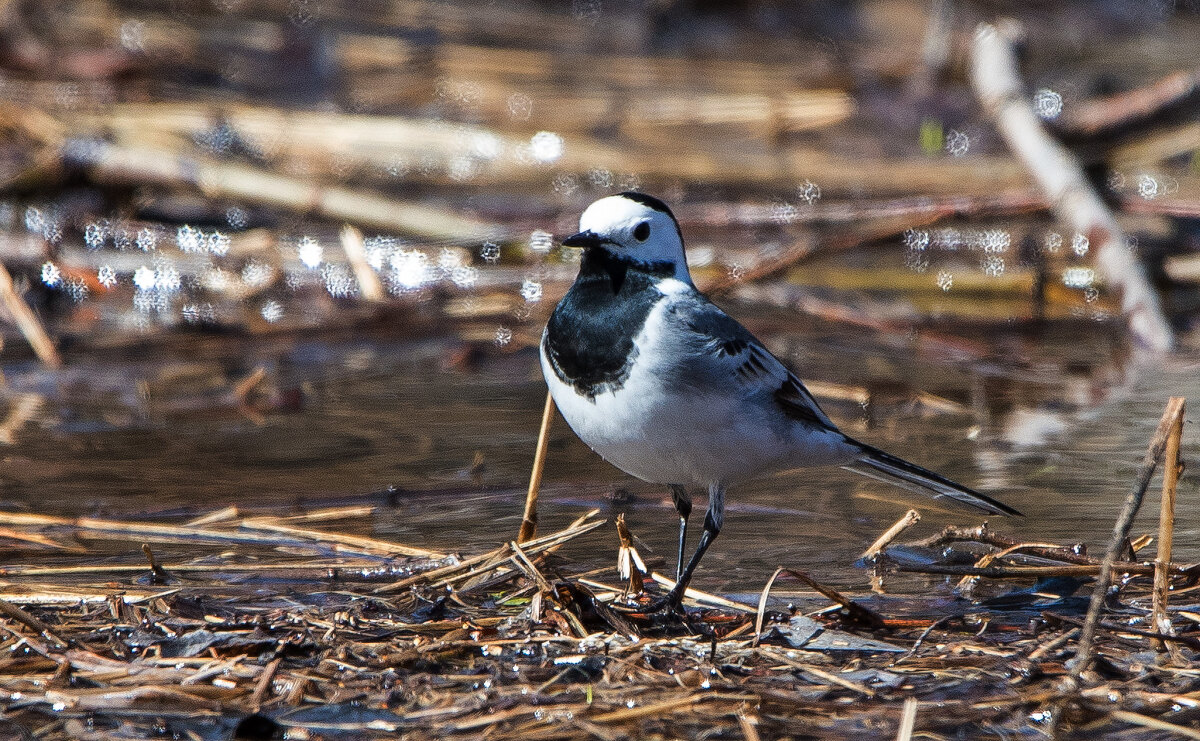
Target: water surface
{"points": [[441, 441]]}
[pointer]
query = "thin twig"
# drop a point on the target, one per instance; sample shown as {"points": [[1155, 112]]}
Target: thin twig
{"points": [[856, 612], [1059, 640], [1087, 636], [910, 518], [761, 612], [1166, 533], [529, 519]]}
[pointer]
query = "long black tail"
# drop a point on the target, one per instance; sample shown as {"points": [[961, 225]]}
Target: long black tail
{"points": [[877, 464]]}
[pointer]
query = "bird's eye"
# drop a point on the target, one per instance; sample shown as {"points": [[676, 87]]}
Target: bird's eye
{"points": [[641, 232]]}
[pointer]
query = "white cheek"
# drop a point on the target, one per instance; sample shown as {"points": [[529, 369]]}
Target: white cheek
{"points": [[672, 286]]}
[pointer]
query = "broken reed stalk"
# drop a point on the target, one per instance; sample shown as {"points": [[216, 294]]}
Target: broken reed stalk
{"points": [[529, 519], [1166, 532], [1087, 636], [447, 575], [999, 88], [28, 322], [910, 518], [871, 555], [630, 566]]}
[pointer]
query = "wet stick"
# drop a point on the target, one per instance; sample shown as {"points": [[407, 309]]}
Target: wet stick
{"points": [[1166, 533], [910, 518], [529, 519], [1000, 90], [12, 612], [1087, 636], [872, 554]]}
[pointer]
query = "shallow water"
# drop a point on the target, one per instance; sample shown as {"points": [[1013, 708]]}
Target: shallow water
{"points": [[444, 448]]}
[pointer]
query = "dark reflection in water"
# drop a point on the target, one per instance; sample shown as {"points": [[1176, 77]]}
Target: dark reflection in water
{"points": [[1054, 427]]}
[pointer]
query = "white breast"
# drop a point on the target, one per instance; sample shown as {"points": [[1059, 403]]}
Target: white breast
{"points": [[660, 432]]}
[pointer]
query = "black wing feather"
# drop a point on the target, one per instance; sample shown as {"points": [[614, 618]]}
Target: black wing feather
{"points": [[723, 336]]}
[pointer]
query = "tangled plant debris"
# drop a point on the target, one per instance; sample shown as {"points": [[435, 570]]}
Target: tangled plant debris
{"points": [[284, 627]]}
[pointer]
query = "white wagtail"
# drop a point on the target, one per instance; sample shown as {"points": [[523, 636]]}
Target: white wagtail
{"points": [[667, 387]]}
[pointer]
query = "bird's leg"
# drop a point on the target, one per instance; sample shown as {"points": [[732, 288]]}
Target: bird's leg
{"points": [[712, 527], [683, 505]]}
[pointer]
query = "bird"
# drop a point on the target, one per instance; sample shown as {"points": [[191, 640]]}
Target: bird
{"points": [[666, 386]]}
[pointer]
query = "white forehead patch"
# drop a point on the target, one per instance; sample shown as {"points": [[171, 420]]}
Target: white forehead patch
{"points": [[614, 213]]}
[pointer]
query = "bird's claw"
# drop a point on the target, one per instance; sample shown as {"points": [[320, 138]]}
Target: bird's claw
{"points": [[669, 605]]}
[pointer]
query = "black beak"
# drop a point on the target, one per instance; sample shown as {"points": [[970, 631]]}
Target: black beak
{"points": [[584, 239]]}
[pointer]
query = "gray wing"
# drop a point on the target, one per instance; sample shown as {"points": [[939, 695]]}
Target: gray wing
{"points": [[724, 354]]}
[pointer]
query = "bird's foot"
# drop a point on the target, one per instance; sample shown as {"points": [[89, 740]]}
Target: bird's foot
{"points": [[669, 605]]}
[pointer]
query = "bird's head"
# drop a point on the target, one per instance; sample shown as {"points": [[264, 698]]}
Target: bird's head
{"points": [[635, 228]]}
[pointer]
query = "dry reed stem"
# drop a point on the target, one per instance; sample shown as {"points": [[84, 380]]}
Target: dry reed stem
{"points": [[529, 518], [369, 284], [1057, 642], [761, 613], [1166, 532], [28, 322], [1157, 724], [703, 597], [1098, 114], [314, 141], [154, 532], [1083, 657], [521, 560], [11, 611], [799, 249], [910, 518], [449, 574], [244, 386], [38, 540], [908, 719], [1152, 150], [830, 677], [1037, 572], [749, 727], [997, 84], [352, 542], [111, 163]]}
